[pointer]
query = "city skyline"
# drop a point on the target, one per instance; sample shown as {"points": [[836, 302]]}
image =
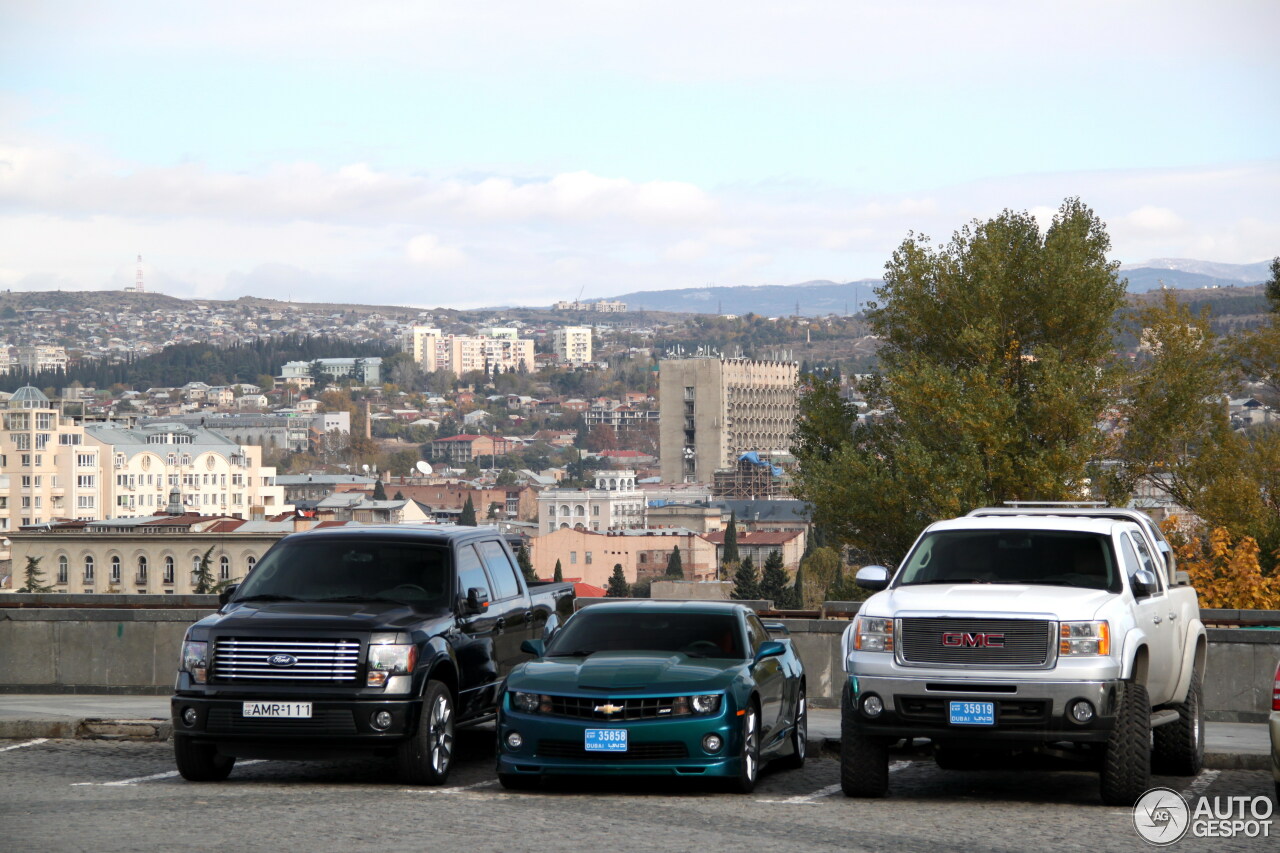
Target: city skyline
{"points": [[517, 155]]}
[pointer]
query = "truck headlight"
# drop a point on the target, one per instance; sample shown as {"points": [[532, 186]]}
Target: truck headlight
{"points": [[195, 660], [873, 634], [386, 660], [1084, 638]]}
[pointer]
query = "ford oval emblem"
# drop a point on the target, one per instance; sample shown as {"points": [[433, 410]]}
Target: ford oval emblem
{"points": [[282, 660]]}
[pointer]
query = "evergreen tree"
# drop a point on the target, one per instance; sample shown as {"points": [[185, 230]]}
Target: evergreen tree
{"points": [[468, 516], [746, 583], [774, 580], [675, 568], [35, 577], [797, 589], [525, 563], [618, 587], [399, 495], [730, 554], [559, 575], [379, 493], [204, 580]]}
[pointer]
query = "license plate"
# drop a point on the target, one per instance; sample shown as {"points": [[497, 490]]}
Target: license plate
{"points": [[606, 740], [293, 710], [973, 713]]}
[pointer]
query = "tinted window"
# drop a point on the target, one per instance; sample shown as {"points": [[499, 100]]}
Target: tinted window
{"points": [[756, 634], [1048, 557], [598, 629], [471, 572], [500, 569]]}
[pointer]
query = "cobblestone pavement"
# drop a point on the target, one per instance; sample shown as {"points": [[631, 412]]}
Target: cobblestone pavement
{"points": [[58, 795]]}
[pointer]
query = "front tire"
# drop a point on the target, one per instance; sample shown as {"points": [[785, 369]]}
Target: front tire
{"points": [[749, 772], [864, 760], [799, 735], [1126, 765], [200, 762], [426, 758], [1179, 747]]}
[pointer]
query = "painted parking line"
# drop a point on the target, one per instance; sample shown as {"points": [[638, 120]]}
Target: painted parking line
{"points": [[152, 778], [488, 783], [1203, 781], [812, 799], [21, 745]]}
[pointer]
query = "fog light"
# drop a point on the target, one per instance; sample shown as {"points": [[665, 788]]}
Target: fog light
{"points": [[1081, 711], [514, 740], [872, 705], [189, 717], [712, 743], [381, 720]]}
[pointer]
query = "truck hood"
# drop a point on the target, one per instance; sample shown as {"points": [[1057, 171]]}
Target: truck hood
{"points": [[321, 615], [1006, 600], [657, 671]]}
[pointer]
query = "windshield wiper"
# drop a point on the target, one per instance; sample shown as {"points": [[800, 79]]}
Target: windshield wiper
{"points": [[268, 596]]}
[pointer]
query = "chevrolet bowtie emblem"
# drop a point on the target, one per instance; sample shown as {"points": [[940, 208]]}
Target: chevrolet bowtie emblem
{"points": [[607, 709]]}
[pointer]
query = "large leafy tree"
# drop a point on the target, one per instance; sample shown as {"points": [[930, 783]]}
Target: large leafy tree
{"points": [[995, 352]]}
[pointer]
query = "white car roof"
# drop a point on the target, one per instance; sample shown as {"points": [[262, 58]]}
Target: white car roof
{"points": [[1103, 526]]}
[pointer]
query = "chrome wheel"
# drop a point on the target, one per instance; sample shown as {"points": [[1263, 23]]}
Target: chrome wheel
{"points": [[440, 734], [802, 725], [751, 746]]}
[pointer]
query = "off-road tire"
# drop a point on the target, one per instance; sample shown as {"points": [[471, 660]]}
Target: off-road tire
{"points": [[1126, 763], [1179, 747], [799, 735], [864, 761], [426, 758], [200, 762]]}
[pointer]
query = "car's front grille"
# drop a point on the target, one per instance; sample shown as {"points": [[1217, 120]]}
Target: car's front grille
{"points": [[981, 642], [1009, 712], [613, 710], [635, 751], [251, 660], [230, 721]]}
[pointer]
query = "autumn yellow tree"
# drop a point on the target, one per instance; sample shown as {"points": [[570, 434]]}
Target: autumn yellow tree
{"points": [[1228, 574]]}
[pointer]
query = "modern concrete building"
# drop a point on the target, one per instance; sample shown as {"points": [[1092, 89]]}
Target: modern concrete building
{"points": [[643, 554], [573, 344], [714, 409], [613, 504], [498, 350], [366, 371]]}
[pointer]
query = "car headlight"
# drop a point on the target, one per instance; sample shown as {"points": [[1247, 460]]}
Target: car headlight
{"points": [[708, 704], [386, 660], [529, 703], [1084, 638], [873, 634], [195, 660]]}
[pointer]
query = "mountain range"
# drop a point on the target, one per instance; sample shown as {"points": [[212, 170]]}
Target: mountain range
{"points": [[817, 298]]}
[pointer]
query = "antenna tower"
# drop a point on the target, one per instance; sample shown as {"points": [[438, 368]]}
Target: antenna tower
{"points": [[137, 287]]}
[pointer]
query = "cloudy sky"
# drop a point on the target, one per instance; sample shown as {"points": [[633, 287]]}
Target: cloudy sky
{"points": [[510, 152]]}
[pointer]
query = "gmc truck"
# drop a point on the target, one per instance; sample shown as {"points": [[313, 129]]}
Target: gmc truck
{"points": [[1058, 629], [369, 639]]}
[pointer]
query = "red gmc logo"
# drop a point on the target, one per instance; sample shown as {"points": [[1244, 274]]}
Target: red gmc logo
{"points": [[973, 641]]}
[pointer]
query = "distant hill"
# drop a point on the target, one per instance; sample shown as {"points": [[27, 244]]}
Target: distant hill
{"points": [[1248, 273]]}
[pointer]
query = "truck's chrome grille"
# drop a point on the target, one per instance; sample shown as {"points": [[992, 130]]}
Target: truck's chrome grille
{"points": [[250, 660], [982, 642]]}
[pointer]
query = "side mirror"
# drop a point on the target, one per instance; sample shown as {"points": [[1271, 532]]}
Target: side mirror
{"points": [[872, 577], [225, 595], [770, 649], [533, 647], [1143, 583], [477, 600]]}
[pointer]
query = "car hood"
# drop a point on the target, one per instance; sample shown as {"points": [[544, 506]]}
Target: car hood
{"points": [[663, 671], [1006, 600], [321, 615]]}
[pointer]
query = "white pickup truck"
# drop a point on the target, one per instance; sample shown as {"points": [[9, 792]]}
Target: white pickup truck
{"points": [[1064, 629]]}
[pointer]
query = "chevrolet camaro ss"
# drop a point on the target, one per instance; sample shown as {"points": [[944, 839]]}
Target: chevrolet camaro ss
{"points": [[698, 689]]}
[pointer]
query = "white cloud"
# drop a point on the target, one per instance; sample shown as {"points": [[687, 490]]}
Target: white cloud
{"points": [[426, 250]]}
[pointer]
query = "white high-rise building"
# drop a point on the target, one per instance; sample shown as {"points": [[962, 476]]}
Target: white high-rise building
{"points": [[573, 344]]}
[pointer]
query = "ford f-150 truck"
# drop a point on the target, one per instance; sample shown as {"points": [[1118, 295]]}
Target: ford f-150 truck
{"points": [[376, 639], [1061, 629]]}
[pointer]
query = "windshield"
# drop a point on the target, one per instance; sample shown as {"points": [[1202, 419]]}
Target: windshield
{"points": [[1050, 557], [694, 634], [351, 570]]}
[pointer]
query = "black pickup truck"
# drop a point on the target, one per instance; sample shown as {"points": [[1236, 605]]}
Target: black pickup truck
{"points": [[373, 639]]}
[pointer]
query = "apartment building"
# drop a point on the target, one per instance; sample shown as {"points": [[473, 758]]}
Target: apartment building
{"points": [[613, 504], [573, 344], [496, 350]]}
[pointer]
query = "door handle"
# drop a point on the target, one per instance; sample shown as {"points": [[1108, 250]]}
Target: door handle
{"points": [[501, 625]]}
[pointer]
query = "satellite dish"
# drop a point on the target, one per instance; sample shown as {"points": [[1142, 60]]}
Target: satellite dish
{"points": [[423, 467]]}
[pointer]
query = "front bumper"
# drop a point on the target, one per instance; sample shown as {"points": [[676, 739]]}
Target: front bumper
{"points": [[1032, 711], [555, 745]]}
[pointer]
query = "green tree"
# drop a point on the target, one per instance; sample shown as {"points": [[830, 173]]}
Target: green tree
{"points": [[495, 510], [399, 495], [995, 352], [506, 477], [746, 582], [774, 580], [675, 567], [618, 587], [468, 516], [818, 570], [204, 580], [1272, 287], [526, 564], [730, 552], [33, 580], [559, 574], [379, 493]]}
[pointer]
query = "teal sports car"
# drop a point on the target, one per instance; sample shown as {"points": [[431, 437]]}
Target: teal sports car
{"points": [[697, 689]]}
